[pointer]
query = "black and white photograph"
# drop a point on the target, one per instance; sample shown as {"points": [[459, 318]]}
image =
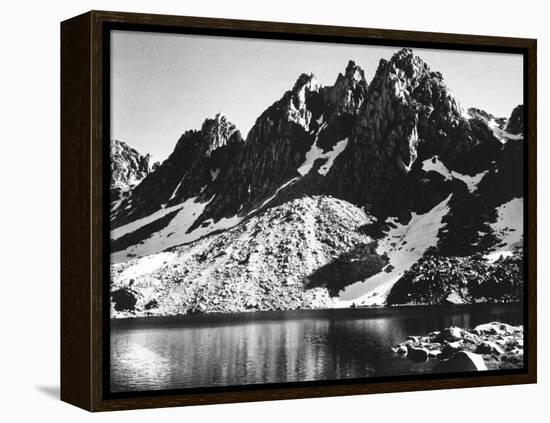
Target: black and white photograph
{"points": [[294, 211]]}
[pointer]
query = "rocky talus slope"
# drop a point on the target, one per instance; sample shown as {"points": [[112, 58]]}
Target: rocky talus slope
{"points": [[285, 258], [460, 280]]}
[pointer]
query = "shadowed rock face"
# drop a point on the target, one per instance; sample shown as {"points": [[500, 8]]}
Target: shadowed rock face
{"points": [[195, 163], [409, 115], [348, 92], [515, 123]]}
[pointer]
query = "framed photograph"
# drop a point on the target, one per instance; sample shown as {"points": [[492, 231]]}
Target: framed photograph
{"points": [[258, 211]]}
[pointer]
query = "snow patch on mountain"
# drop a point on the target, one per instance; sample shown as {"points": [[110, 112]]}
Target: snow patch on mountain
{"points": [[175, 190], [497, 255], [404, 244], [332, 154], [134, 225], [508, 228], [214, 174], [436, 165], [209, 226], [146, 265], [175, 233], [501, 134], [266, 201], [316, 153]]}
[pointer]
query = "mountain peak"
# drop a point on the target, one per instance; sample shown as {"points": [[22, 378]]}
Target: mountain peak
{"points": [[405, 53], [354, 72], [218, 132], [406, 77], [349, 91], [128, 166], [218, 120], [405, 62], [306, 81]]}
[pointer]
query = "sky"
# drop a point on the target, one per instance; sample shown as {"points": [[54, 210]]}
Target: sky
{"points": [[165, 84]]}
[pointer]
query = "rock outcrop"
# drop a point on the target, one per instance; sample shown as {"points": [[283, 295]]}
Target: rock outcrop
{"points": [[460, 280], [515, 123], [128, 168]]}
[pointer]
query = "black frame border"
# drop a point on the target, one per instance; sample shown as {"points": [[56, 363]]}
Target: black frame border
{"points": [[107, 27]]}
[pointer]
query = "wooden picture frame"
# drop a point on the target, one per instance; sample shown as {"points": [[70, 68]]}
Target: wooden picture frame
{"points": [[84, 190]]}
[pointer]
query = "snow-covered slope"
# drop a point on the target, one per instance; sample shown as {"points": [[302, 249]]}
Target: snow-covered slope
{"points": [[404, 244], [176, 232], [508, 228], [435, 165]]}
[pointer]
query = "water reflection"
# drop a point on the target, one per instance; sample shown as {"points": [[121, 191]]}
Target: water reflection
{"points": [[279, 347]]}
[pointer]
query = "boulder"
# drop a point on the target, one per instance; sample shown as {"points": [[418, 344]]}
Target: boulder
{"points": [[489, 347], [450, 349], [501, 342], [124, 299], [518, 343], [151, 304], [453, 298], [496, 328], [418, 354], [462, 361], [487, 329], [470, 337], [434, 346], [401, 350], [450, 334], [434, 353]]}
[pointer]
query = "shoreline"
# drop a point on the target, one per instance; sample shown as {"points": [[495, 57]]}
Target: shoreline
{"points": [[266, 315]]}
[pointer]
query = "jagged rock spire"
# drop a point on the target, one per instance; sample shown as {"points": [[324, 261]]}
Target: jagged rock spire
{"points": [[218, 132], [350, 89]]}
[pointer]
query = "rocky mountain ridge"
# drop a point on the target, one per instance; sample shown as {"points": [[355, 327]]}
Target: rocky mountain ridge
{"points": [[400, 149], [128, 169]]}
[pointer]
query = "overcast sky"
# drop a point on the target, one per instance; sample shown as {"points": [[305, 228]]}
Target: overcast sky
{"points": [[165, 84]]}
